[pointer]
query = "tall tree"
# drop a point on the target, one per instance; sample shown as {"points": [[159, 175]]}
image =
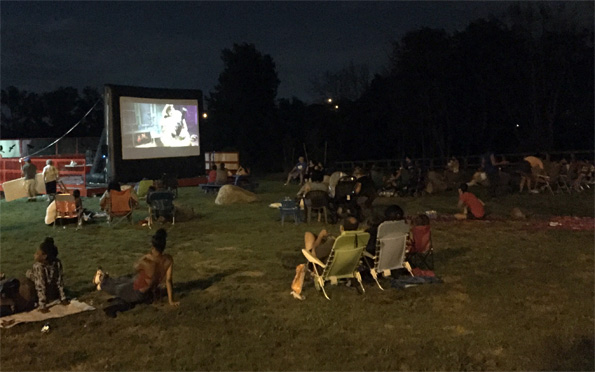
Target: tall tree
{"points": [[243, 109]]}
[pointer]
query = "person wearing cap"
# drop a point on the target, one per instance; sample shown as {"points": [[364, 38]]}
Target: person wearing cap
{"points": [[28, 171], [50, 177]]}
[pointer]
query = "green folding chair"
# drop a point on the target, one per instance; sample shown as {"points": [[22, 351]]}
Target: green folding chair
{"points": [[342, 262]]}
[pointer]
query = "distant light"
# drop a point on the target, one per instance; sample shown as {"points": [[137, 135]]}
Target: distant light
{"points": [[204, 115], [336, 107], [330, 100], [104, 156], [517, 125]]}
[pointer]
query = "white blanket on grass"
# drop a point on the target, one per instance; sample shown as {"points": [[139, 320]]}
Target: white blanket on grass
{"points": [[57, 310]]}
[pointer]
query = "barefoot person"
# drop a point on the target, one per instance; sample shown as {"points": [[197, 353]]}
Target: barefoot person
{"points": [[151, 270]]}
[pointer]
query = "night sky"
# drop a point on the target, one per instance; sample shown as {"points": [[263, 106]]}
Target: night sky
{"points": [[46, 45]]}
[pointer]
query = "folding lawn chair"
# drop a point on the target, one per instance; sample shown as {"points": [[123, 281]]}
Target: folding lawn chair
{"points": [[342, 262], [391, 244], [120, 206], [161, 204], [421, 251], [66, 208]]}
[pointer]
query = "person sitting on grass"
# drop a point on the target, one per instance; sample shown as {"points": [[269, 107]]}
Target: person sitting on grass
{"points": [[320, 245], [46, 275], [473, 208], [152, 269], [212, 174]]}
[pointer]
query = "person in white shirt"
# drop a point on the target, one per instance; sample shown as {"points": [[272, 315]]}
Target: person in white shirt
{"points": [[50, 177]]}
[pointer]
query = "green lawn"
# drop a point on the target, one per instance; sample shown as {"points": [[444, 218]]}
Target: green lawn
{"points": [[517, 295]]}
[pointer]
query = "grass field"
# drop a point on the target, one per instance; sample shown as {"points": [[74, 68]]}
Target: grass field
{"points": [[517, 295]]}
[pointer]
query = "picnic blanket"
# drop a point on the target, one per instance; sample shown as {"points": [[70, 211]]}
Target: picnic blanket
{"points": [[57, 310]]}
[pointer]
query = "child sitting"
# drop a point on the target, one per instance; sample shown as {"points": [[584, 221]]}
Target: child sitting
{"points": [[473, 208]]}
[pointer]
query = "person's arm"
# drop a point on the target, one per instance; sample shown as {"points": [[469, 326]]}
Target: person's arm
{"points": [[60, 283], [482, 203], [38, 277], [169, 285], [358, 188]]}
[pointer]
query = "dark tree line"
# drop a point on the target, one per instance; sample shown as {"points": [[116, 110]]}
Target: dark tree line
{"points": [[522, 82], [35, 115]]}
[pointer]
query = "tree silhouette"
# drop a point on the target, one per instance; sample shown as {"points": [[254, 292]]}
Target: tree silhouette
{"points": [[243, 110]]}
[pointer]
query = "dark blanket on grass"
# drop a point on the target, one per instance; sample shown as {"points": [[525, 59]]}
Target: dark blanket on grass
{"points": [[408, 281]]}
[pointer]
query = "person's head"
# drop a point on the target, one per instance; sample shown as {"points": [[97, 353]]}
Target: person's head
{"points": [[222, 166], [317, 176], [159, 240], [49, 162], [350, 224], [27, 160], [76, 193], [301, 159], [463, 188], [393, 213], [358, 172], [214, 167], [47, 251], [113, 185]]}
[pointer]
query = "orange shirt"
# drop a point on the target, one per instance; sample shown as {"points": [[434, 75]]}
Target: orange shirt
{"points": [[473, 204]]}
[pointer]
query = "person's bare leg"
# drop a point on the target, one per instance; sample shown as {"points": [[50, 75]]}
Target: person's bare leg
{"points": [[523, 180], [309, 240]]}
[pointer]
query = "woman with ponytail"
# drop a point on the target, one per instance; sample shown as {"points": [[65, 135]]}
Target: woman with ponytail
{"points": [[152, 269]]}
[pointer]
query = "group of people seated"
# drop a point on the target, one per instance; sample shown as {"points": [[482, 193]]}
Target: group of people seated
{"points": [[220, 175], [43, 285], [320, 245]]}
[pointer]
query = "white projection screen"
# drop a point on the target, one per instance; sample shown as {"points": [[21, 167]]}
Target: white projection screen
{"points": [[159, 128]]}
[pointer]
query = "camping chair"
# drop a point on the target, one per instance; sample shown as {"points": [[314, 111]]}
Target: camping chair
{"points": [[421, 250], [316, 200], [161, 204], [391, 244], [289, 208], [66, 208], [342, 262], [120, 206]]}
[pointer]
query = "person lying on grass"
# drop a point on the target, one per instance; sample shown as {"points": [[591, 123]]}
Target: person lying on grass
{"points": [[46, 275], [151, 270], [473, 208]]}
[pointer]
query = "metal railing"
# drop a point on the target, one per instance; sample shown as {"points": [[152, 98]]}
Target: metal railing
{"points": [[466, 162]]}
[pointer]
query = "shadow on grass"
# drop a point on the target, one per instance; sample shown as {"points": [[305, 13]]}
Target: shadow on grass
{"points": [[449, 254], [202, 284], [576, 356]]}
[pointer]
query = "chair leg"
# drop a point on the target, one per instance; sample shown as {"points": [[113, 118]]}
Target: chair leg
{"points": [[321, 283], [358, 276], [309, 213]]}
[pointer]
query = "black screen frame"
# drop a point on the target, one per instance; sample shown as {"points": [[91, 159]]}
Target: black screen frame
{"points": [[133, 170]]}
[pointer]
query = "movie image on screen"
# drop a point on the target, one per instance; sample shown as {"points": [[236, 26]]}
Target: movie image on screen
{"points": [[157, 128]]}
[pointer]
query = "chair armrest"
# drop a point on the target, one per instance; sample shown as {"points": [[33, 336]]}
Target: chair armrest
{"points": [[368, 254], [312, 259]]}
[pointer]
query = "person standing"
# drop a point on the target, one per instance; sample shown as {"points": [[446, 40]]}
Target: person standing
{"points": [[50, 177], [29, 171]]}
